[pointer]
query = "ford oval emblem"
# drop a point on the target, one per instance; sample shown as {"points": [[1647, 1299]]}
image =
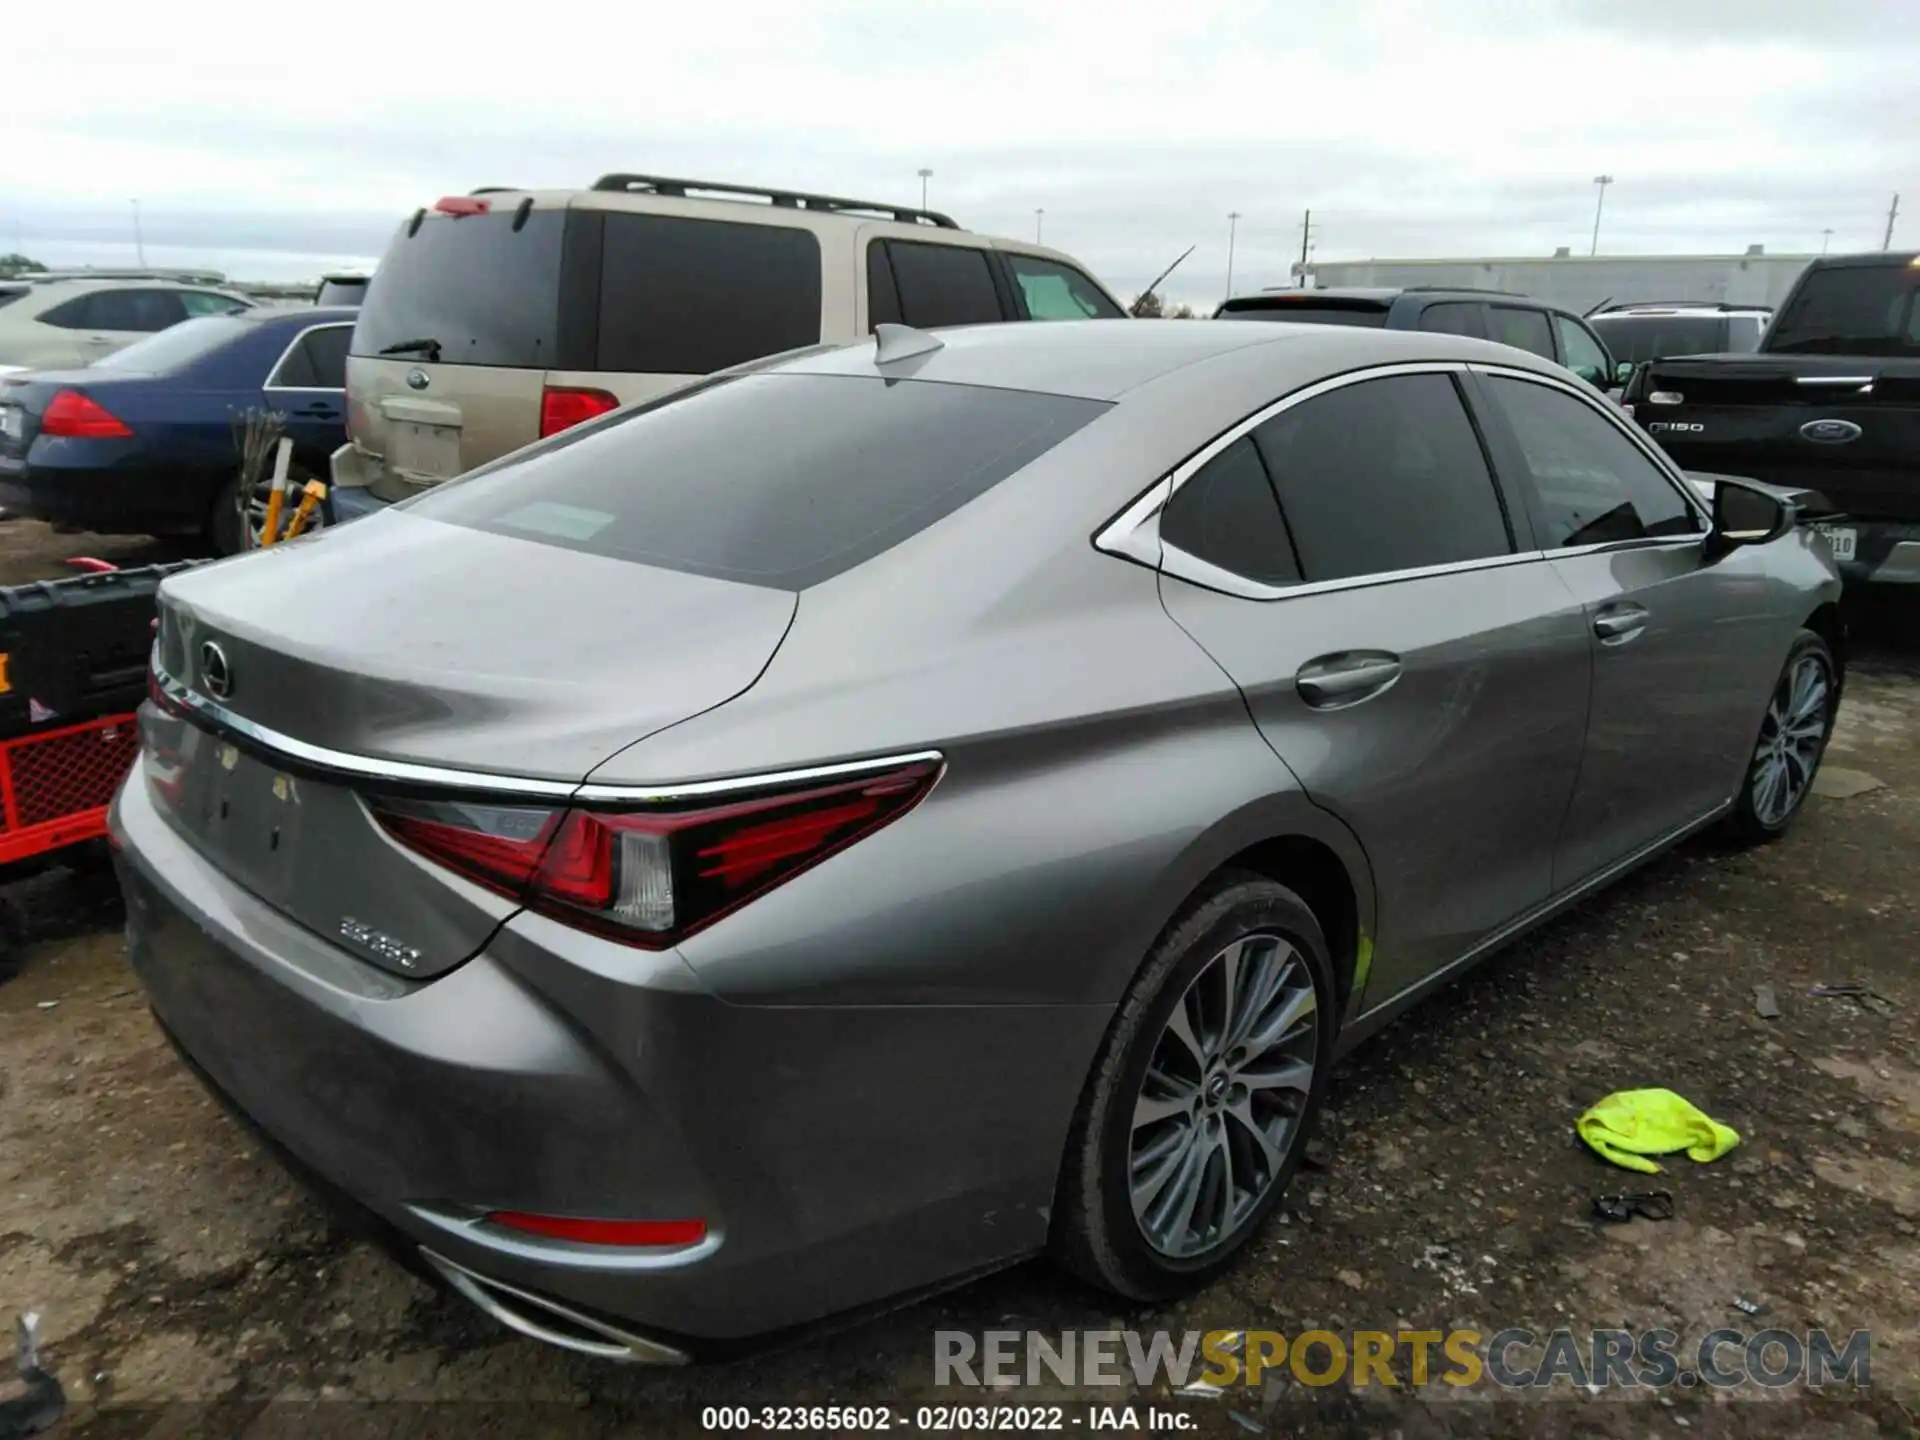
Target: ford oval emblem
{"points": [[417, 379], [1830, 432]]}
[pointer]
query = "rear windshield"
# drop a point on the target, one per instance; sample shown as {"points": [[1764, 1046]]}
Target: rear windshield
{"points": [[1658, 337], [1851, 310], [481, 291], [1303, 313], [774, 480], [177, 345]]}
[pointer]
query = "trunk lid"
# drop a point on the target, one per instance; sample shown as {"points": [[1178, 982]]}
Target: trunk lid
{"points": [[419, 423], [405, 640], [1846, 427]]}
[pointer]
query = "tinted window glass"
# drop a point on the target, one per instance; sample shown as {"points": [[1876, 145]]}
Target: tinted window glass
{"points": [[1454, 317], [1851, 310], [778, 480], [1523, 329], [208, 302], [1579, 350], [128, 310], [1593, 483], [488, 294], [69, 314], [1058, 292], [1226, 515], [883, 301], [341, 292], [687, 297], [326, 348], [1656, 337], [1383, 475], [943, 284], [180, 345], [1744, 332], [1304, 313]]}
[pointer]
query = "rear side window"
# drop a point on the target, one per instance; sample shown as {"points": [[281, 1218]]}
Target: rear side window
{"points": [[317, 361], [688, 297], [1454, 317], [1593, 484], [136, 311], [943, 284], [483, 292], [1305, 314], [1226, 515], [1383, 475], [775, 480], [1851, 310], [1522, 329], [1052, 291]]}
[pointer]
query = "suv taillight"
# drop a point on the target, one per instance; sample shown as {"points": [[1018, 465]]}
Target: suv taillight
{"points": [[75, 416], [562, 407], [651, 877]]}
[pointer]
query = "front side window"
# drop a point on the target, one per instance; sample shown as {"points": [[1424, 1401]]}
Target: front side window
{"points": [[1226, 515], [778, 480], [688, 297], [1594, 485], [1383, 475], [208, 302], [1581, 353], [943, 284], [1523, 329], [1053, 291]]}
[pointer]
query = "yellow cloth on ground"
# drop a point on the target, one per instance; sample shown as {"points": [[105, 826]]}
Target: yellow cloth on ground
{"points": [[1632, 1124]]}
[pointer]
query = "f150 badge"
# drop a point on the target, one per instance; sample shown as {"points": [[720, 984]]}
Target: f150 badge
{"points": [[381, 944], [1675, 427]]}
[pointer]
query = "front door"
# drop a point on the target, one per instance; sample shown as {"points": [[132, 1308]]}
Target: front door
{"points": [[1679, 683], [1422, 672]]}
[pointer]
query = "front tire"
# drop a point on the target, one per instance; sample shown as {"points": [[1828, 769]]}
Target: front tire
{"points": [[1203, 1095], [1793, 739]]}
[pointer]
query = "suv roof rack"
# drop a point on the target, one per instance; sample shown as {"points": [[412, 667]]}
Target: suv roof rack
{"points": [[788, 199], [1715, 305]]}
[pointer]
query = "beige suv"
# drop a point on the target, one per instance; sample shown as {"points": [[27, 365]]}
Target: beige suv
{"points": [[502, 316]]}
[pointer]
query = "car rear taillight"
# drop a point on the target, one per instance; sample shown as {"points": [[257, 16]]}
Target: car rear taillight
{"points": [[651, 877], [562, 407], [72, 415], [603, 1232], [457, 205]]}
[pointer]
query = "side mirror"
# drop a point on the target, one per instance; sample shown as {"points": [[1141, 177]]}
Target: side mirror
{"points": [[1623, 372], [1592, 375], [1746, 514]]}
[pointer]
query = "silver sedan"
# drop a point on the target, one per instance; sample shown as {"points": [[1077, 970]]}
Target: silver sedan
{"points": [[880, 814]]}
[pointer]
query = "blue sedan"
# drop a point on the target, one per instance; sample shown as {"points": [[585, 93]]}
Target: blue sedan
{"points": [[142, 441]]}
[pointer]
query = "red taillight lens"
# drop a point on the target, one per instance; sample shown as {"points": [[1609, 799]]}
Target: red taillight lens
{"points": [[603, 1232], [462, 205], [562, 407], [652, 877], [75, 416]]}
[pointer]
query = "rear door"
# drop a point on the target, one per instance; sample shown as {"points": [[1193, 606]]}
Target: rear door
{"points": [[1680, 665], [308, 386], [1402, 648]]}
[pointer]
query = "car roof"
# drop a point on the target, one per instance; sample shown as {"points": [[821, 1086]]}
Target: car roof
{"points": [[1105, 360]]}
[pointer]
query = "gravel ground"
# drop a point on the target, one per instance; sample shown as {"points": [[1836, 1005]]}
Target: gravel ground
{"points": [[189, 1289]]}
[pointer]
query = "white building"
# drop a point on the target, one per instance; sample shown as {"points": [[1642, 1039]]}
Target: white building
{"points": [[1581, 282]]}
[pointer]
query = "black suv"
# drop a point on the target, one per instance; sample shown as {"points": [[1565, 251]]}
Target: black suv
{"points": [[1486, 314]]}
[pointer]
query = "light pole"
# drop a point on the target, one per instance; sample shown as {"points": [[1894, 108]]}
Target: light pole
{"points": [[1602, 181], [1039, 215], [1233, 227], [925, 175], [1826, 238], [139, 245]]}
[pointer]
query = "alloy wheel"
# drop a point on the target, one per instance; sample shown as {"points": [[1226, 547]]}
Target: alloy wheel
{"points": [[1791, 737], [1224, 1094]]}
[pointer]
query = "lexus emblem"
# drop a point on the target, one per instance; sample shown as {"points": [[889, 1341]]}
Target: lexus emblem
{"points": [[214, 673], [1830, 432], [417, 379]]}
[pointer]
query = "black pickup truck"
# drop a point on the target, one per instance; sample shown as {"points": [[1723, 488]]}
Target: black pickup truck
{"points": [[1829, 403]]}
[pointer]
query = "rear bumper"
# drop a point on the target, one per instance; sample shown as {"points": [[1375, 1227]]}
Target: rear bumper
{"points": [[611, 1085], [106, 498], [1886, 553]]}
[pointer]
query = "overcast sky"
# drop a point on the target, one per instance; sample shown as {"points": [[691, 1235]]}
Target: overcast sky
{"points": [[273, 141]]}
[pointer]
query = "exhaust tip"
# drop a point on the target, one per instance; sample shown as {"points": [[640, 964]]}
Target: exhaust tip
{"points": [[549, 1321]]}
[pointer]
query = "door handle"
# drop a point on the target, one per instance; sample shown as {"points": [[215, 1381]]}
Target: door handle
{"points": [[1347, 678], [1620, 622], [318, 412]]}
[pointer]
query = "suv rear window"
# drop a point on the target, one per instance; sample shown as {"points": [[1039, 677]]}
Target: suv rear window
{"points": [[486, 293], [688, 297], [1659, 337], [1851, 310], [774, 480], [1303, 312]]}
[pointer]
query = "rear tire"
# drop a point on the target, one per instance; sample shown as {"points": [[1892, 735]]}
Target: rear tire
{"points": [[1792, 742], [1203, 1094]]}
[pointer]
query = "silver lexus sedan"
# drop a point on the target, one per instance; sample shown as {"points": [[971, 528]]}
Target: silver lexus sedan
{"points": [[878, 814]]}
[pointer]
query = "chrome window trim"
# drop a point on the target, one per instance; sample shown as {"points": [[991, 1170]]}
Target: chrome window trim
{"points": [[366, 767], [1196, 571], [269, 388]]}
